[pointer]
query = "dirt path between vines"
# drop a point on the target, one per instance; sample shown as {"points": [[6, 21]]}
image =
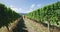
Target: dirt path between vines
{"points": [[34, 27], [28, 25]]}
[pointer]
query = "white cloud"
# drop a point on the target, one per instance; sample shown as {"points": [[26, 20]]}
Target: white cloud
{"points": [[38, 5], [31, 8], [33, 5], [18, 10]]}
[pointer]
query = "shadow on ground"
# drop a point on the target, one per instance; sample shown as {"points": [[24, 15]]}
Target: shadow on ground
{"points": [[20, 27]]}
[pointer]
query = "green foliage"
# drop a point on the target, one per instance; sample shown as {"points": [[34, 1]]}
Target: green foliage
{"points": [[7, 15], [48, 13]]}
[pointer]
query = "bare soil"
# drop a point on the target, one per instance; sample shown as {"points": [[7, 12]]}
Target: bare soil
{"points": [[28, 25]]}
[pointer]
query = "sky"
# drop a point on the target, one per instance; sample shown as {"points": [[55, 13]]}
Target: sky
{"points": [[26, 6]]}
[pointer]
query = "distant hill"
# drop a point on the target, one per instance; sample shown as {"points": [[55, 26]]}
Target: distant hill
{"points": [[22, 13]]}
